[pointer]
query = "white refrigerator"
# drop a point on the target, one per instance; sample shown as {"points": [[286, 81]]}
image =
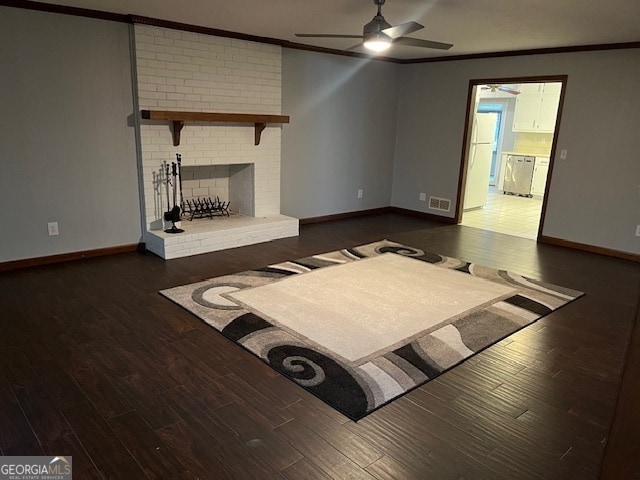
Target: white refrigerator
{"points": [[480, 156]]}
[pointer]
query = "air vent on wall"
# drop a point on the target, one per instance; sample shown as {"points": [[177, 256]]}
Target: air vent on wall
{"points": [[442, 204]]}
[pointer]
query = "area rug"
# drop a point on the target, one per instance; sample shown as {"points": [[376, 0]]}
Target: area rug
{"points": [[362, 326]]}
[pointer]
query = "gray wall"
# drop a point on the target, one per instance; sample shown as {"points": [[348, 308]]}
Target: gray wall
{"points": [[594, 197], [342, 133], [68, 154]]}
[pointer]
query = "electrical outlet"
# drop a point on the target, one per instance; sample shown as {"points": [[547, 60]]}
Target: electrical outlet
{"points": [[360, 193], [52, 228], [637, 230], [423, 197]]}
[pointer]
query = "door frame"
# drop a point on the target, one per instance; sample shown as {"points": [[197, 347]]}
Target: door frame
{"points": [[462, 176]]}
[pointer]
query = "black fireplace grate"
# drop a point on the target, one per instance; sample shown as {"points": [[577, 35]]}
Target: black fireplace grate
{"points": [[205, 208]]}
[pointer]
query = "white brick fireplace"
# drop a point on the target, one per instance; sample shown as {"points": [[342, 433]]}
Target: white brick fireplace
{"points": [[192, 72]]}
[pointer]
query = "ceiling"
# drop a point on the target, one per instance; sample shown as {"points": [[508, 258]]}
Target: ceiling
{"points": [[473, 26]]}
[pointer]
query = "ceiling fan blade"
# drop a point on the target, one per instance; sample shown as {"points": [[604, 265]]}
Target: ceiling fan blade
{"points": [[402, 29], [325, 35], [417, 42], [509, 90]]}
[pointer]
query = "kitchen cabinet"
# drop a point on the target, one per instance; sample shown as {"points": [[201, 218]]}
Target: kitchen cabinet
{"points": [[548, 113], [540, 172], [503, 165], [548, 88], [526, 113], [537, 107], [530, 88], [552, 88]]}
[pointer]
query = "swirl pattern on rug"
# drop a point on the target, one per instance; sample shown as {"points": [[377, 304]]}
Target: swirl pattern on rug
{"points": [[358, 387]]}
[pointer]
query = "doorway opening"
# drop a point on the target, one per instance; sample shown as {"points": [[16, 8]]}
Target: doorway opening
{"points": [[508, 153]]}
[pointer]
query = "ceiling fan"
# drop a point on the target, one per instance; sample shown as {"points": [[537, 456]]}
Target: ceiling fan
{"points": [[378, 34], [495, 87]]}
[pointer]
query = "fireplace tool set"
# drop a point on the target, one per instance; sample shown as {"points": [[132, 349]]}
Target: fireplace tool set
{"points": [[195, 208], [173, 214]]}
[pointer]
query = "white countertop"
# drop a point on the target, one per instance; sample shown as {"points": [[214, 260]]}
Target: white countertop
{"points": [[528, 154]]}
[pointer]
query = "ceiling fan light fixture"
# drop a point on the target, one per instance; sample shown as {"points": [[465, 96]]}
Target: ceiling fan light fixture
{"points": [[377, 42], [378, 34]]}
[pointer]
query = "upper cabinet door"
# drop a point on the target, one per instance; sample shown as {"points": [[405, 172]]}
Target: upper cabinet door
{"points": [[526, 113], [548, 113], [531, 88], [537, 107], [552, 88]]}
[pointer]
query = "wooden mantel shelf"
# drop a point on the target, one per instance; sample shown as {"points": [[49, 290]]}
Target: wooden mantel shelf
{"points": [[177, 120]]}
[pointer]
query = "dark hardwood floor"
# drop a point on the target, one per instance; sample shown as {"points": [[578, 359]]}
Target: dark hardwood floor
{"points": [[94, 363]]}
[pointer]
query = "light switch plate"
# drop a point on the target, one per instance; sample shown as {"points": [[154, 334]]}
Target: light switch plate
{"points": [[52, 228]]}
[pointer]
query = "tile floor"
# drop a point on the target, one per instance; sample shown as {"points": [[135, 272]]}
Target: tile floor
{"points": [[510, 214]]}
